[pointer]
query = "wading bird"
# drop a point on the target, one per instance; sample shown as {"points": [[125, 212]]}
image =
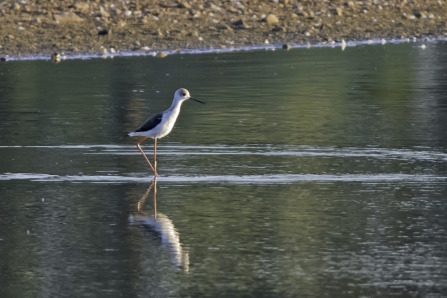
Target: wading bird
{"points": [[161, 124]]}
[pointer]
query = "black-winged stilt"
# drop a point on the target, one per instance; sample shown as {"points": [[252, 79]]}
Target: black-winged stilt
{"points": [[161, 124]]}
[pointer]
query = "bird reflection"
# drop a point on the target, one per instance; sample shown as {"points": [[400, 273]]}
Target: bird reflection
{"points": [[163, 227]]}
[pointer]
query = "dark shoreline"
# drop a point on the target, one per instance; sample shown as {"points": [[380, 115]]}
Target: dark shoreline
{"points": [[74, 29]]}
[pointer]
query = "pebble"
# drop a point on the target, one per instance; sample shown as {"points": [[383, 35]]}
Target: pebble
{"points": [[210, 6], [56, 57], [67, 17], [15, 6], [184, 5], [115, 11], [286, 46], [279, 28], [350, 4], [241, 24], [104, 32], [338, 11], [418, 14], [224, 27], [103, 13], [82, 7], [271, 19]]}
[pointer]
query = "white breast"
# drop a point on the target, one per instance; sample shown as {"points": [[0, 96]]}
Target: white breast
{"points": [[167, 123]]}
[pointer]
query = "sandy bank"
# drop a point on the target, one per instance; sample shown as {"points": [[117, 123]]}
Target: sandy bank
{"points": [[33, 27]]}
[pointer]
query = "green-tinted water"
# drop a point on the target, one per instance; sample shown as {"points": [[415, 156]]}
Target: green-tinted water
{"points": [[308, 173]]}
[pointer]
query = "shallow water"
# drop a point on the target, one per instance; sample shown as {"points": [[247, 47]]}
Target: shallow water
{"points": [[308, 173]]}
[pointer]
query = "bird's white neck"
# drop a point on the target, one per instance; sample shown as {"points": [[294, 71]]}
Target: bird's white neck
{"points": [[176, 105]]}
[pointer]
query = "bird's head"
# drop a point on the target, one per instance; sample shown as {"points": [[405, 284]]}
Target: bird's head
{"points": [[182, 94]]}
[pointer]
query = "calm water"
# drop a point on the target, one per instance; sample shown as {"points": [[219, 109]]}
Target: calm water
{"points": [[308, 173]]}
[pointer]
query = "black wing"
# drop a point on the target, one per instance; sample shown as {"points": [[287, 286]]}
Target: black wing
{"points": [[150, 123]]}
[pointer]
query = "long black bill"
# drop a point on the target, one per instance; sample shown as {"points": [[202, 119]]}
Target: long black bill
{"points": [[196, 100]]}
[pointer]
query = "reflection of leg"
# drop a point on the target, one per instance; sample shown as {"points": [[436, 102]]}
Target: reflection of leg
{"points": [[145, 157], [143, 198], [155, 156]]}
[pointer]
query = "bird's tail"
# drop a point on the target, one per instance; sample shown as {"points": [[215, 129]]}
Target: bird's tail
{"points": [[127, 135]]}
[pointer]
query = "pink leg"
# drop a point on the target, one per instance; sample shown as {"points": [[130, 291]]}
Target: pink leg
{"points": [[145, 157], [155, 155]]}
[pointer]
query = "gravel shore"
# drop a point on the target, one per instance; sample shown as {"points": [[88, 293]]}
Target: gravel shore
{"points": [[37, 27]]}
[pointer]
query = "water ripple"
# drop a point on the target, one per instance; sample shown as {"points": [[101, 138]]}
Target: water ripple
{"points": [[263, 150], [228, 179]]}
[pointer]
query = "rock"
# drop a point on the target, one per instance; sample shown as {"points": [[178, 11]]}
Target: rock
{"points": [[271, 19], [104, 32], [168, 5], [279, 28], [232, 9], [210, 6], [82, 7], [350, 4], [224, 27], [67, 17], [103, 13], [37, 20], [56, 57], [2, 59], [162, 54], [115, 11], [338, 11], [184, 5], [15, 6], [10, 36], [286, 46], [240, 24], [418, 14]]}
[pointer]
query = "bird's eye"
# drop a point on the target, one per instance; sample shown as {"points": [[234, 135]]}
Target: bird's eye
{"points": [[183, 94]]}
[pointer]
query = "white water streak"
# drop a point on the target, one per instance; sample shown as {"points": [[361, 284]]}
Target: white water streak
{"points": [[227, 179], [263, 150]]}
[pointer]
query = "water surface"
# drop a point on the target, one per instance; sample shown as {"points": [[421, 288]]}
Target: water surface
{"points": [[308, 173]]}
